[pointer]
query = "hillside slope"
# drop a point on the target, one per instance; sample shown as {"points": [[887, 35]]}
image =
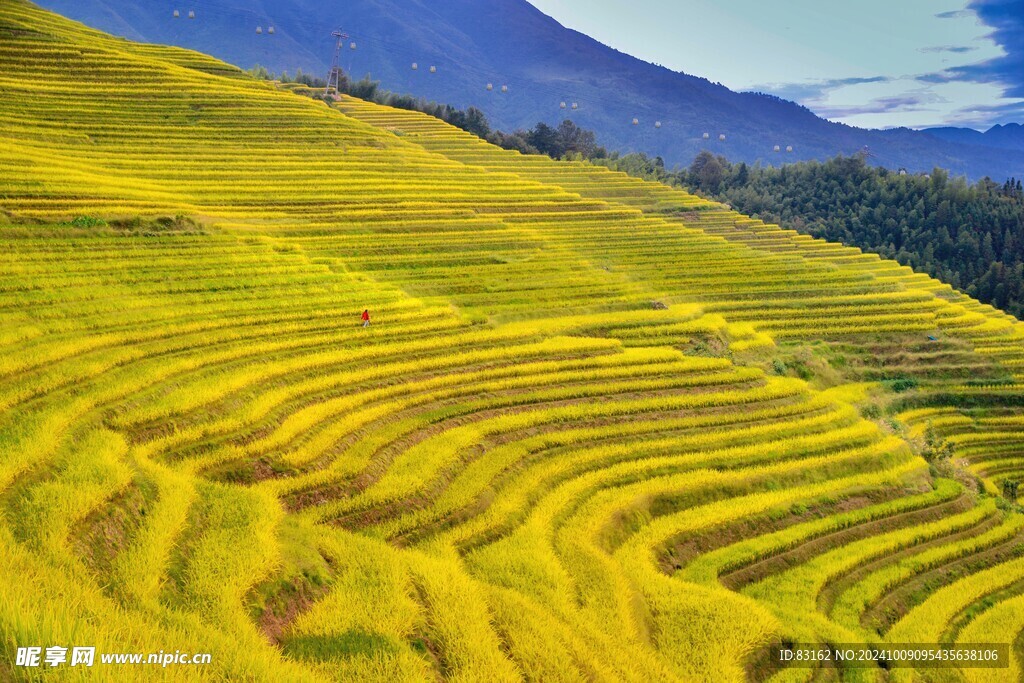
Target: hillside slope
{"points": [[509, 42], [598, 428]]}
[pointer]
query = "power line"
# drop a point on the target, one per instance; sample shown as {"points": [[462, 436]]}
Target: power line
{"points": [[549, 98]]}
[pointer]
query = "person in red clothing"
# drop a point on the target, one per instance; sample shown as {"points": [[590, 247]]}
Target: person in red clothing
{"points": [[366, 318]]}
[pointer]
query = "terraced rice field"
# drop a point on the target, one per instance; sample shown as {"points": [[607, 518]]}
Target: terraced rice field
{"points": [[598, 429]]}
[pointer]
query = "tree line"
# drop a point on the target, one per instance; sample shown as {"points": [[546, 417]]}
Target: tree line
{"points": [[565, 140]]}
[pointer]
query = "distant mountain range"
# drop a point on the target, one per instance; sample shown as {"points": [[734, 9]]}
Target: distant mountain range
{"points": [[510, 43], [1010, 136]]}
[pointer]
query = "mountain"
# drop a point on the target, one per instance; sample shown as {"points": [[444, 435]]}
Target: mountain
{"points": [[510, 42], [1008, 137]]}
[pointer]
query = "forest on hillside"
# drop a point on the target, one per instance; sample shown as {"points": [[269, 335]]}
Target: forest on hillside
{"points": [[970, 235]]}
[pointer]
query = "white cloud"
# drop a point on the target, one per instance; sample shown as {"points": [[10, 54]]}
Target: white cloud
{"points": [[854, 62]]}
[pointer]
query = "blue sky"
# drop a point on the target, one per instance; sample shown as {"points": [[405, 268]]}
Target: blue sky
{"points": [[869, 63]]}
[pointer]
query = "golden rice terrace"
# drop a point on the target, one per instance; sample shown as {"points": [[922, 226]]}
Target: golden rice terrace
{"points": [[598, 429]]}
